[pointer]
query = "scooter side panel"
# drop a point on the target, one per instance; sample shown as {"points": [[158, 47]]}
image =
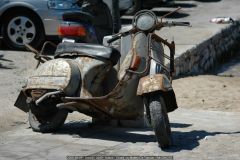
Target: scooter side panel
{"points": [[58, 74], [122, 102], [93, 71], [128, 104]]}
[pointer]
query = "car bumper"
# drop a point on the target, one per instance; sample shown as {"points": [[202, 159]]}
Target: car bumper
{"points": [[51, 26]]}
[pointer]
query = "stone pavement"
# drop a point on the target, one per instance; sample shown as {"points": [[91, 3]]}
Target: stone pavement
{"points": [[197, 135], [200, 47], [198, 14]]}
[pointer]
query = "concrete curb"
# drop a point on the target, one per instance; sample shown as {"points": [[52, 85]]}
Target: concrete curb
{"points": [[206, 55]]}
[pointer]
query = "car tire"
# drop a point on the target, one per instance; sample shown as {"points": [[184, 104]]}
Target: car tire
{"points": [[20, 27]]}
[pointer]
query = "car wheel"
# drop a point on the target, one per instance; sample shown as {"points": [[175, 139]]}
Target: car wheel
{"points": [[22, 27]]}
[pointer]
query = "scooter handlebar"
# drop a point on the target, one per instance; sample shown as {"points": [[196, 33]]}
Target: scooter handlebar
{"points": [[114, 38], [119, 35], [158, 26], [181, 23], [170, 24]]}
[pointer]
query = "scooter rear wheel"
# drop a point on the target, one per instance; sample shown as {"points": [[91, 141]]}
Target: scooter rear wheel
{"points": [[159, 119], [48, 123]]}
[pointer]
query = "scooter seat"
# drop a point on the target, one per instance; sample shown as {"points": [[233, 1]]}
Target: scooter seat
{"points": [[93, 50]]}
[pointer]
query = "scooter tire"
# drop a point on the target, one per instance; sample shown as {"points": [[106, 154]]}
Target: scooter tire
{"points": [[49, 124], [159, 120]]}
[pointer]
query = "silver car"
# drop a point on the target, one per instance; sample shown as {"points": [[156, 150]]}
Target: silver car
{"points": [[31, 21]]}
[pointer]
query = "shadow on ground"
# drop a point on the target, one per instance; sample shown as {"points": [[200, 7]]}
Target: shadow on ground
{"points": [[229, 68], [187, 140], [2, 59], [174, 15], [177, 4], [49, 50], [120, 134], [207, 0], [190, 140], [226, 66], [170, 4]]}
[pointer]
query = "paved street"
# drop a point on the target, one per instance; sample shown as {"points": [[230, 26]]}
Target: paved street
{"points": [[197, 134], [206, 125]]}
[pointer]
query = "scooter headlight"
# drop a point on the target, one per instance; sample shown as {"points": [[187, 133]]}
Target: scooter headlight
{"points": [[145, 20]]}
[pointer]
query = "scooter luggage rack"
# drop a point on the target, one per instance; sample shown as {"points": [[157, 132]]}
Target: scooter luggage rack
{"points": [[40, 56], [169, 68]]}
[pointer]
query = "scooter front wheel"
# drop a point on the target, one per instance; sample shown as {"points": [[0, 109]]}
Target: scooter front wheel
{"points": [[158, 118], [48, 123]]}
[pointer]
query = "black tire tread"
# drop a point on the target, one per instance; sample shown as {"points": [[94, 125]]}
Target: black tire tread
{"points": [[55, 123], [160, 121]]}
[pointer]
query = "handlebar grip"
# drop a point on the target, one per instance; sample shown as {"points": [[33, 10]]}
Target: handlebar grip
{"points": [[114, 38]]}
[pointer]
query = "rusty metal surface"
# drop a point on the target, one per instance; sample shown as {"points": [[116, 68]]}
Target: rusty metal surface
{"points": [[123, 101], [151, 83], [35, 94], [139, 48], [93, 71], [58, 74], [117, 104]]}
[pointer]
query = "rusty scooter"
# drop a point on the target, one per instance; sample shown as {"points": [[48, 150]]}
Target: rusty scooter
{"points": [[102, 83]]}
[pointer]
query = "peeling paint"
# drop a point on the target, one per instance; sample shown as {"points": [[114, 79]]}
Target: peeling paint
{"points": [[151, 83]]}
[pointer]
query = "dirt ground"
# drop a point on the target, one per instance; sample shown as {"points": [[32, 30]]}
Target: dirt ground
{"points": [[14, 67], [208, 92], [205, 92]]}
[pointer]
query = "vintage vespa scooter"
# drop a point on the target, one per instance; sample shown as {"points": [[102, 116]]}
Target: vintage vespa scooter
{"points": [[102, 83]]}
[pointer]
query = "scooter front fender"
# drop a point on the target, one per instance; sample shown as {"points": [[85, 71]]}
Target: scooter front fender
{"points": [[152, 83], [158, 82]]}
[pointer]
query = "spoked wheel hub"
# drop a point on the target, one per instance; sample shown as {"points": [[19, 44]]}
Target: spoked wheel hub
{"points": [[21, 30]]}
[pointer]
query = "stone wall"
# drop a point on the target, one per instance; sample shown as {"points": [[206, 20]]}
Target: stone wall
{"points": [[209, 53]]}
